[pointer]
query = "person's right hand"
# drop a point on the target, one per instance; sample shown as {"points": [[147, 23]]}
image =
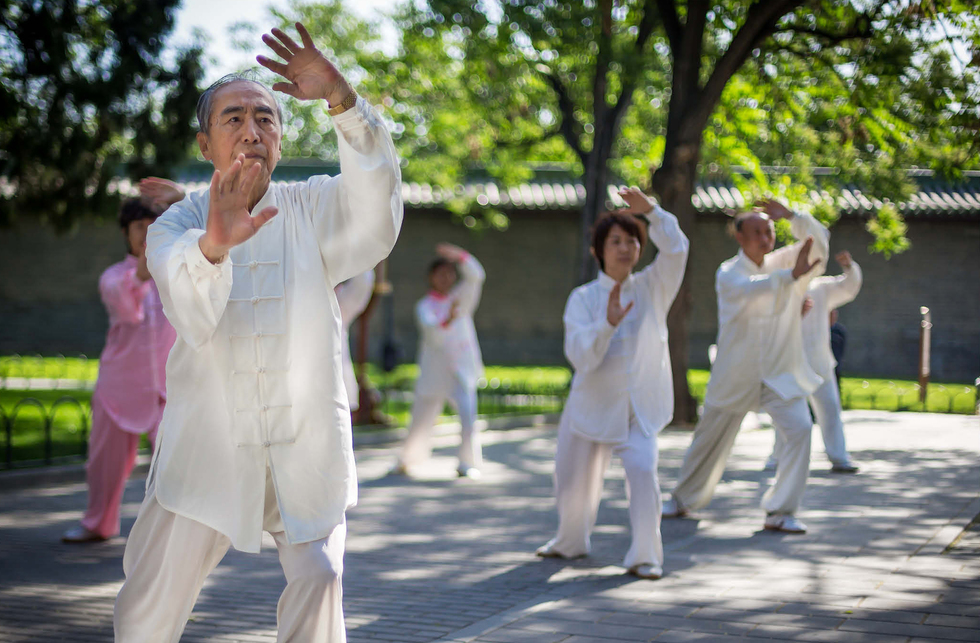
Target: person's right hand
{"points": [[614, 309], [453, 313], [807, 306], [803, 264], [844, 259], [229, 221], [159, 194]]}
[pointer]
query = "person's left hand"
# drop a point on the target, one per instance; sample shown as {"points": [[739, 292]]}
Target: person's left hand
{"points": [[774, 209], [160, 194], [311, 76], [636, 201], [450, 252], [807, 305], [844, 259]]}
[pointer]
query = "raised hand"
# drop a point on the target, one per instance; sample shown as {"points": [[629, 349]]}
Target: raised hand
{"points": [[311, 76], [636, 201], [614, 309], [774, 209], [450, 252], [453, 313], [844, 259], [803, 264], [159, 194], [142, 271], [807, 305], [229, 221]]}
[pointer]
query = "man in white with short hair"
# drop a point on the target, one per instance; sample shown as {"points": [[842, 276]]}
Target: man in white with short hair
{"points": [[256, 432], [760, 363]]}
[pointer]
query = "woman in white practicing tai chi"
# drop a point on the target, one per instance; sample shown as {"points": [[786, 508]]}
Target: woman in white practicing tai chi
{"points": [[622, 391], [449, 359]]}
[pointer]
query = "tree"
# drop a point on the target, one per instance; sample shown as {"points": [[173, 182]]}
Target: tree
{"points": [[658, 91], [83, 91]]}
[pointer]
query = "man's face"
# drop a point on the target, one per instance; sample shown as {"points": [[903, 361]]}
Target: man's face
{"points": [[443, 278], [243, 121], [136, 236], [757, 236]]}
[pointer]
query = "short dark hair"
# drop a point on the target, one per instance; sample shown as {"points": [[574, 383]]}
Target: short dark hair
{"points": [[633, 225], [133, 209], [206, 102], [437, 263]]}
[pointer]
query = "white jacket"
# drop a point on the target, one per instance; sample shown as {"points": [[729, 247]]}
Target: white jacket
{"points": [[353, 297], [450, 353], [827, 294], [617, 367], [255, 377], [760, 340]]}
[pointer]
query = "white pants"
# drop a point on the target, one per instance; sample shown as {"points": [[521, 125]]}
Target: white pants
{"points": [[425, 412], [827, 407], [714, 436], [580, 465], [168, 557]]}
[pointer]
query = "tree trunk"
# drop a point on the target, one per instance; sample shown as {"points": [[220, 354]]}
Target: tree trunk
{"points": [[674, 186], [595, 182]]}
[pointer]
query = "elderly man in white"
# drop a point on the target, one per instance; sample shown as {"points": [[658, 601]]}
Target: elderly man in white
{"points": [[353, 297], [760, 363], [622, 392], [825, 295], [450, 363], [256, 433]]}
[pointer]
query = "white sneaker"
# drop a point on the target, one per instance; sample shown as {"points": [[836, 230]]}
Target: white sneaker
{"points": [[468, 472], [673, 509], [651, 572], [786, 523]]}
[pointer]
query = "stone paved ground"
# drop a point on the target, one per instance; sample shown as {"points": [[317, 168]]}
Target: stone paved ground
{"points": [[891, 554]]}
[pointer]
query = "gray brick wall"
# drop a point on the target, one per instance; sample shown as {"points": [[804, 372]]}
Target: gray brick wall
{"points": [[49, 303]]}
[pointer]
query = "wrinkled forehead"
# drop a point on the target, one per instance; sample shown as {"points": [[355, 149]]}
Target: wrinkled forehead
{"points": [[244, 94]]}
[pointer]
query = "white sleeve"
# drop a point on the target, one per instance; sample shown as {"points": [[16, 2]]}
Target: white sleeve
{"points": [[358, 213], [802, 226], [432, 329], [353, 296], [586, 338], [468, 292], [845, 287], [194, 292], [737, 290], [663, 277]]}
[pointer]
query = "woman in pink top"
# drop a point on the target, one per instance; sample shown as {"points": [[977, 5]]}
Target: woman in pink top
{"points": [[130, 392]]}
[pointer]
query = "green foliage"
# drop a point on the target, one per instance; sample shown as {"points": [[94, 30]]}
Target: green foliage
{"points": [[888, 229], [83, 90]]}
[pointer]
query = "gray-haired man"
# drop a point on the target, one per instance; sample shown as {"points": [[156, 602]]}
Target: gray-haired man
{"points": [[256, 432]]}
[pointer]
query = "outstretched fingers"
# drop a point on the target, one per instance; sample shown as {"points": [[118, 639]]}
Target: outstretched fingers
{"points": [[305, 36], [272, 65], [277, 47], [289, 43], [263, 217]]}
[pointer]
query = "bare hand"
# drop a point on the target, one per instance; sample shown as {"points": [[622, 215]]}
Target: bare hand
{"points": [[311, 76], [159, 194], [229, 221], [844, 259], [614, 310], [636, 201], [453, 313], [142, 272], [807, 305], [803, 264], [450, 252], [774, 209]]}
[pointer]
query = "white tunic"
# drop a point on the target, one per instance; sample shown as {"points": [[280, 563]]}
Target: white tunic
{"points": [[618, 367], [450, 353], [353, 297], [760, 340], [827, 294], [255, 377]]}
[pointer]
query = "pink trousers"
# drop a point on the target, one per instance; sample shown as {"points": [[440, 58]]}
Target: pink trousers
{"points": [[111, 456]]}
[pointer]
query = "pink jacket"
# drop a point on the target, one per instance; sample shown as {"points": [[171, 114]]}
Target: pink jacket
{"points": [[132, 368]]}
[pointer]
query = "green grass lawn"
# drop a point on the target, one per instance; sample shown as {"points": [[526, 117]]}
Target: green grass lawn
{"points": [[504, 390]]}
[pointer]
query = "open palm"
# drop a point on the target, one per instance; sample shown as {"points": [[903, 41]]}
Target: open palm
{"points": [[229, 221], [311, 76]]}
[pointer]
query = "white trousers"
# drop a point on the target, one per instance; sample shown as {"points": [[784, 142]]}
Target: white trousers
{"points": [[714, 436], [168, 557], [425, 411], [580, 465], [827, 407]]}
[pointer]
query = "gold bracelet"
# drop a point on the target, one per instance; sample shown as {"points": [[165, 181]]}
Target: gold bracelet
{"points": [[345, 104]]}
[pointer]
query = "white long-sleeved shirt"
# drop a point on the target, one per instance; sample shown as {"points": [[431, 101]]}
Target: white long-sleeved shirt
{"points": [[353, 296], [628, 365], [827, 294], [255, 377], [760, 340], [450, 353]]}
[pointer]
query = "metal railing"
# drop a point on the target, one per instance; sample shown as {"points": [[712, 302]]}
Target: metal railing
{"points": [[32, 413]]}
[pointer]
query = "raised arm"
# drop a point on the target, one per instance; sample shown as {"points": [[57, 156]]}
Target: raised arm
{"points": [[802, 226], [193, 290], [845, 287], [354, 294], [468, 291], [122, 291], [357, 214], [587, 336]]}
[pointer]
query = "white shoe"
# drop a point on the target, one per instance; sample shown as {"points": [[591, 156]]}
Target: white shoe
{"points": [[398, 470], [468, 472], [79, 534], [651, 572], [785, 523], [673, 509], [548, 551]]}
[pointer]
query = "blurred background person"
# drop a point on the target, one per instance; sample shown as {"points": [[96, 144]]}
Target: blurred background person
{"points": [[450, 363]]}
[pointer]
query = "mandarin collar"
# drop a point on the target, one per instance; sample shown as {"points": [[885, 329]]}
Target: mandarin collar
{"points": [[606, 282], [751, 264], [268, 199], [438, 296]]}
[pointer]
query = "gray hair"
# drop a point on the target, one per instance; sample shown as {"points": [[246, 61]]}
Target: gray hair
{"points": [[206, 102]]}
